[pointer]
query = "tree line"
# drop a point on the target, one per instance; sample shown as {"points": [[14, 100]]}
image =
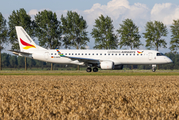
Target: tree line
{"points": [[71, 32]]}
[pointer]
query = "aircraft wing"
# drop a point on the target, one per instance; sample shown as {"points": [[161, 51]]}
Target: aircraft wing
{"points": [[86, 60]]}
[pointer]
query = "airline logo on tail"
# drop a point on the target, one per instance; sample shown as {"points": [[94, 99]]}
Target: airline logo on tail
{"points": [[27, 45]]}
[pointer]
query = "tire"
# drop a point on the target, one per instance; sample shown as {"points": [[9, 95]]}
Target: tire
{"points": [[153, 69], [88, 69], [95, 69]]}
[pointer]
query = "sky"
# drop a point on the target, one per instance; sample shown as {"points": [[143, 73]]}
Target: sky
{"points": [[140, 11]]}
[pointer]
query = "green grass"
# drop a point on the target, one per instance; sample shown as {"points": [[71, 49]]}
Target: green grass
{"points": [[100, 73]]}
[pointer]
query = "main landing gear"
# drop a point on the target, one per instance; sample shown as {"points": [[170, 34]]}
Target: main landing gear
{"points": [[153, 68], [95, 69], [88, 69]]}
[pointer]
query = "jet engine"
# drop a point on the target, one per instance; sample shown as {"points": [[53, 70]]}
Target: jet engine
{"points": [[107, 65]]}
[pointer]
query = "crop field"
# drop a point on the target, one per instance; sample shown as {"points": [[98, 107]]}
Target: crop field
{"points": [[89, 97]]}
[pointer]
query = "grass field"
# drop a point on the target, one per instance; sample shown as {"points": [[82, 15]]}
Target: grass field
{"points": [[73, 95], [100, 73]]}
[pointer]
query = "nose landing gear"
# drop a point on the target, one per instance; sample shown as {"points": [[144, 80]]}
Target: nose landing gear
{"points": [[153, 68]]}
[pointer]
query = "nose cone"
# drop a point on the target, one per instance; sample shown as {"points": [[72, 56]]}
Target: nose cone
{"points": [[169, 60]]}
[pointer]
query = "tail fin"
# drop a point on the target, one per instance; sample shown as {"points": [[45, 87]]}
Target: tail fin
{"points": [[25, 41]]}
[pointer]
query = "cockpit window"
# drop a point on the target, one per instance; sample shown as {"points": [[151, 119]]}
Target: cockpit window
{"points": [[160, 54]]}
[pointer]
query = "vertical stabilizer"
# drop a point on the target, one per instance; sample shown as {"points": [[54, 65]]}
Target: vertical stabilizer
{"points": [[25, 41]]}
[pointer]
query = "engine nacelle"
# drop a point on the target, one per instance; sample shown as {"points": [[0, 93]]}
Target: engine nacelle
{"points": [[107, 65]]}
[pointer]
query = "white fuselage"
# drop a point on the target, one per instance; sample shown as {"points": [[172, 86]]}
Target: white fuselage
{"points": [[117, 56], [104, 59]]}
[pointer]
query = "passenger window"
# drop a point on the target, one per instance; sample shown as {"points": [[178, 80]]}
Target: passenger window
{"points": [[85, 53], [89, 53], [130, 54], [51, 53], [78, 53], [141, 54], [65, 53], [93, 54], [69, 53], [105, 54], [108, 54], [126, 54], [123, 54], [119, 54], [75, 53], [81, 53], [116, 54], [137, 54], [96, 53], [72, 54], [134, 54], [55, 53], [112, 54], [100, 53]]}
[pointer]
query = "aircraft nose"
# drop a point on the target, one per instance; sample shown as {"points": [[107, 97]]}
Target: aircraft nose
{"points": [[169, 60]]}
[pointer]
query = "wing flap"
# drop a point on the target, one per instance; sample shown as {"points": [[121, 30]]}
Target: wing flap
{"points": [[89, 60]]}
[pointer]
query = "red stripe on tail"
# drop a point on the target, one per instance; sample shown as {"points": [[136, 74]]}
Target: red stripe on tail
{"points": [[24, 43]]}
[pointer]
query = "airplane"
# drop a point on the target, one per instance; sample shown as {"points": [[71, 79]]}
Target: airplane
{"points": [[104, 59]]}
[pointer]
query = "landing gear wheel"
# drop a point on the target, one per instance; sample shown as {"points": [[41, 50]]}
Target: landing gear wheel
{"points": [[95, 69], [153, 69], [88, 69]]}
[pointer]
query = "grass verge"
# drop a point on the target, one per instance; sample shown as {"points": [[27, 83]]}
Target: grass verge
{"points": [[100, 73]]}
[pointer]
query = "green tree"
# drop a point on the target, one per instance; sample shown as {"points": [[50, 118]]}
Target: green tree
{"points": [[31, 63], [3, 34], [155, 31], [5, 60], [19, 18], [103, 34], [48, 30], [39, 64], [129, 34], [74, 30], [175, 36], [20, 62], [13, 61]]}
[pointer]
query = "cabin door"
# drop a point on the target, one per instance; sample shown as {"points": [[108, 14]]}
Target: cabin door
{"points": [[150, 55]]}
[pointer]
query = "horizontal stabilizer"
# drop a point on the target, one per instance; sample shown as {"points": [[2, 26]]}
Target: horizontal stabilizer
{"points": [[17, 52], [25, 54]]}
